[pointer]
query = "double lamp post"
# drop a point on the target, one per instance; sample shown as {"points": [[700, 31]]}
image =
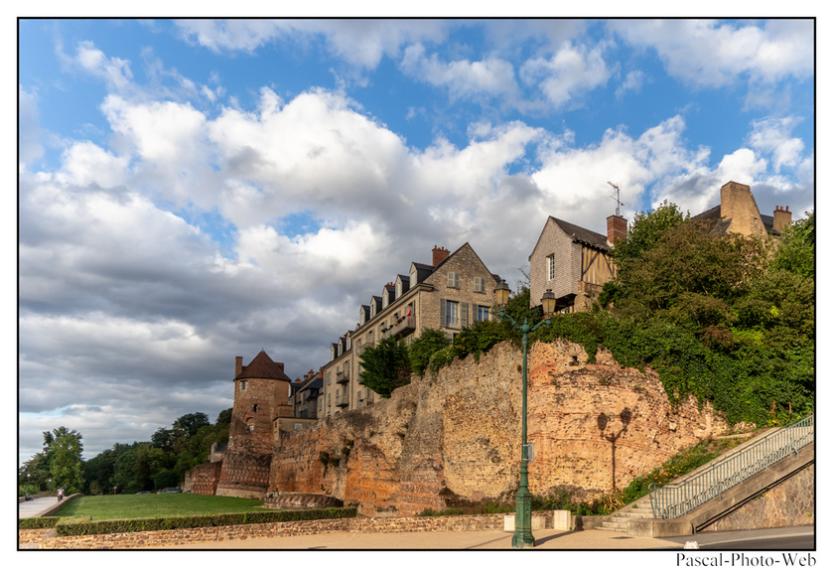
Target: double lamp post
{"points": [[522, 538]]}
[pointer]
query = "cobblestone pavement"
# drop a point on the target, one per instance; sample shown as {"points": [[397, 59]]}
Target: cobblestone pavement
{"points": [[545, 539]]}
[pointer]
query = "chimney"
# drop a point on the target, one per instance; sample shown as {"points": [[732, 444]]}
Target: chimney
{"points": [[733, 199], [782, 217], [438, 254], [238, 365], [617, 228]]}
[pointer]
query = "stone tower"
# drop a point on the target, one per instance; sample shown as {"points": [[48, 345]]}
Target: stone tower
{"points": [[261, 394]]}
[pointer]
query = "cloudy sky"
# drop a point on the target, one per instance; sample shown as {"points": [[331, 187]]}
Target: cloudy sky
{"points": [[194, 190]]}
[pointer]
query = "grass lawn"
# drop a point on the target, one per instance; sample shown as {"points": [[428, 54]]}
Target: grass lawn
{"points": [[102, 507]]}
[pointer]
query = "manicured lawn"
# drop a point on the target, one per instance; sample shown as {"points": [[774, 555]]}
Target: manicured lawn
{"points": [[101, 507]]}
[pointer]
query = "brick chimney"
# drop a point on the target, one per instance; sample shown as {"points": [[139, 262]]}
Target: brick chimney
{"points": [[617, 228], [238, 365], [782, 217], [438, 254]]}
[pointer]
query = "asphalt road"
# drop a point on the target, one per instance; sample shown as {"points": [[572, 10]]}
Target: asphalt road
{"points": [[791, 538]]}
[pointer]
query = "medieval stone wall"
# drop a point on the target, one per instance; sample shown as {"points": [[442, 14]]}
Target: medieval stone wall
{"points": [[455, 437], [244, 475], [202, 479]]}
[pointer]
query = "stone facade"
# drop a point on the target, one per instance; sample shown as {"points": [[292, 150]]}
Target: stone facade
{"points": [[790, 503], [453, 438], [454, 292]]}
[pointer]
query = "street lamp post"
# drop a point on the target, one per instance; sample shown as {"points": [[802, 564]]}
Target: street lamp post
{"points": [[522, 538]]}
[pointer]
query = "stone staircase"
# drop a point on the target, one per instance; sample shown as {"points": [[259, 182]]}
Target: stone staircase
{"points": [[621, 520], [765, 448]]}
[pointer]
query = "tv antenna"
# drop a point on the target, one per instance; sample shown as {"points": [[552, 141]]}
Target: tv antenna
{"points": [[618, 201]]}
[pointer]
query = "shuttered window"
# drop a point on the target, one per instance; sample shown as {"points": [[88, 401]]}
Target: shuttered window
{"points": [[453, 280], [449, 313]]}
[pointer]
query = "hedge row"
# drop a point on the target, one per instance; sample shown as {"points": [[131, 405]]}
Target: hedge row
{"points": [[37, 522], [75, 527]]}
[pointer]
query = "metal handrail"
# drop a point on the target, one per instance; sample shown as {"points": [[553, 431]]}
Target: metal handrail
{"points": [[677, 499]]}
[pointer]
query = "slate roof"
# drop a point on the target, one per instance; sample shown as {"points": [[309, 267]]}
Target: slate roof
{"points": [[423, 272], [262, 367], [582, 235]]}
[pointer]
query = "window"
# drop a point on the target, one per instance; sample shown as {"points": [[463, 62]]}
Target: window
{"points": [[453, 280], [481, 313], [550, 267], [478, 284], [254, 408], [451, 313], [242, 385]]}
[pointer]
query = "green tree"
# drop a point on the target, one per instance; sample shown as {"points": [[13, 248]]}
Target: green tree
{"points": [[797, 253], [385, 366], [422, 348], [224, 417], [188, 424], [64, 454], [646, 231]]}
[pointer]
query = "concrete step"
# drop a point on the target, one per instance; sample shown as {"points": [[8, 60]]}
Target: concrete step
{"points": [[614, 526]]}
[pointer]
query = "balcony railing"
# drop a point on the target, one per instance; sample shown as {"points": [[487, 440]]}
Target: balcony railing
{"points": [[342, 378], [402, 326]]}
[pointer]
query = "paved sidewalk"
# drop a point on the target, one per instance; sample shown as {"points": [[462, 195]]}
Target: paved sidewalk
{"points": [[472, 540], [34, 507]]}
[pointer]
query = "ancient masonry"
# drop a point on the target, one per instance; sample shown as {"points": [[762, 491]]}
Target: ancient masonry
{"points": [[453, 438], [261, 395]]}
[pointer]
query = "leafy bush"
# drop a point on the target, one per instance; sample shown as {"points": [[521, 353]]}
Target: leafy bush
{"points": [[74, 527], [37, 522], [422, 348]]}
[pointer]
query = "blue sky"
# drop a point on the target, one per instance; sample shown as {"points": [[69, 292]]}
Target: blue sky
{"points": [[201, 189]]}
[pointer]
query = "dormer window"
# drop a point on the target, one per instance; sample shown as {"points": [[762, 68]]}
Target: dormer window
{"points": [[398, 291], [453, 280], [385, 297]]}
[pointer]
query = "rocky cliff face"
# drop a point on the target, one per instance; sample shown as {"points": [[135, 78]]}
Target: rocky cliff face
{"points": [[455, 437]]}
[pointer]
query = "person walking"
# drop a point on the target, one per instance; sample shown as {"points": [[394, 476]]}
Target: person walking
{"points": [[60, 494]]}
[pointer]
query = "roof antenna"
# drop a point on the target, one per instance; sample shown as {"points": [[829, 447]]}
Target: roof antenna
{"points": [[618, 201]]}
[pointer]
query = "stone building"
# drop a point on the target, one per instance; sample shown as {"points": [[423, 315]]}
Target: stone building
{"points": [[305, 393], [261, 395], [738, 213], [454, 291], [573, 262]]}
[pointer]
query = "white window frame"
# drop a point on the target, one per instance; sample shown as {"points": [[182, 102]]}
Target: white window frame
{"points": [[479, 284], [551, 267], [453, 280]]}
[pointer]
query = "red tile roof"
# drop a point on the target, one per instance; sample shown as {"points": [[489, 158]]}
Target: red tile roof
{"points": [[262, 367]]}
